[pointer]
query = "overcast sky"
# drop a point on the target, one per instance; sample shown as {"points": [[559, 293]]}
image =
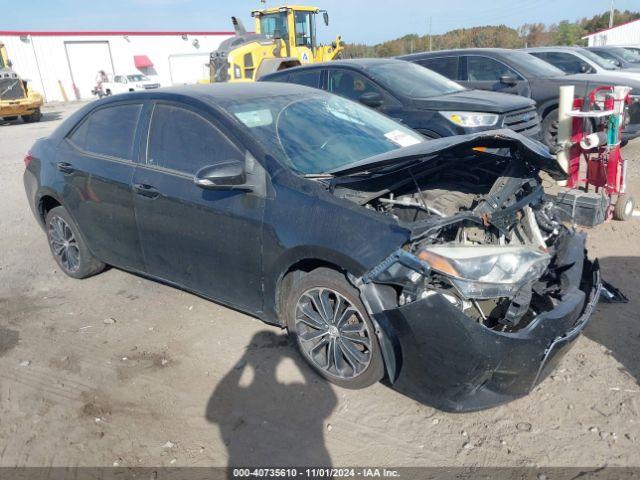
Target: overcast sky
{"points": [[365, 21]]}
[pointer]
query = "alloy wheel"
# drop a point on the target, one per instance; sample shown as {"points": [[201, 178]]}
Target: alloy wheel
{"points": [[64, 244], [332, 333]]}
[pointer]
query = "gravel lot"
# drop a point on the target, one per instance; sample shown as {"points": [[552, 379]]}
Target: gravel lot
{"points": [[120, 370]]}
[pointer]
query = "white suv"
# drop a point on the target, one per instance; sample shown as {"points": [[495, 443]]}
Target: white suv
{"points": [[128, 83]]}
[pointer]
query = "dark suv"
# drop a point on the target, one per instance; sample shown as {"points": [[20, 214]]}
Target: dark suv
{"points": [[423, 100], [513, 71]]}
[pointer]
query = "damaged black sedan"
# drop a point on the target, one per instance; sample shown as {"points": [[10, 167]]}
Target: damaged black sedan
{"points": [[439, 266]]}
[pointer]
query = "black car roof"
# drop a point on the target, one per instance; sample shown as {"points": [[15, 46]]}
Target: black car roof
{"points": [[357, 63], [210, 93], [457, 51]]}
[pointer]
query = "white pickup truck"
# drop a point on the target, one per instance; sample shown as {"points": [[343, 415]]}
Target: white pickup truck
{"points": [[128, 83]]}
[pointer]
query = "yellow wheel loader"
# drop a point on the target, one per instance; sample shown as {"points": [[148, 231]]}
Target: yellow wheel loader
{"points": [[16, 98], [284, 37]]}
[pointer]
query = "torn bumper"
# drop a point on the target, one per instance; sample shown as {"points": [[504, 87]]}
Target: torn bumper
{"points": [[438, 355]]}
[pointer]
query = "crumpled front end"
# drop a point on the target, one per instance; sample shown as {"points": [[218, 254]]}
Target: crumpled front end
{"points": [[441, 356], [490, 291]]}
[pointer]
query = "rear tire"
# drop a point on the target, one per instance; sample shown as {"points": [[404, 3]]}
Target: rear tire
{"points": [[68, 247], [36, 116], [335, 335], [624, 207], [10, 119]]}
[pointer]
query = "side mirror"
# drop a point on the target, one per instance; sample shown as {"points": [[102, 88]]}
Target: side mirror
{"points": [[325, 16], [9, 63], [508, 80], [227, 175], [371, 99], [277, 35], [584, 68]]}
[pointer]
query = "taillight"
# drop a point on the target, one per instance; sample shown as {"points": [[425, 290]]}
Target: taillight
{"points": [[27, 159]]}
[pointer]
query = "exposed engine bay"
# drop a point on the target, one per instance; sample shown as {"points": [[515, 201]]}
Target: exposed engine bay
{"points": [[484, 236]]}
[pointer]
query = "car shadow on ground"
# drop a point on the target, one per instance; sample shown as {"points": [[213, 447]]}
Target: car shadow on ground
{"points": [[265, 420], [616, 326], [46, 117]]}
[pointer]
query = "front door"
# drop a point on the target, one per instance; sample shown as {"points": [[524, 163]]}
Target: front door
{"points": [[204, 240]]}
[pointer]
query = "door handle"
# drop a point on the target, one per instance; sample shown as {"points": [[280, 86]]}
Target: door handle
{"points": [[65, 167], [146, 190]]}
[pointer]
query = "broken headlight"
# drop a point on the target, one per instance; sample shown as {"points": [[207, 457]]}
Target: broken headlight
{"points": [[482, 272], [471, 119]]}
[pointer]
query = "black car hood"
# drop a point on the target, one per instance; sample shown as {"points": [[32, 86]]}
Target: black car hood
{"points": [[474, 101], [530, 151]]}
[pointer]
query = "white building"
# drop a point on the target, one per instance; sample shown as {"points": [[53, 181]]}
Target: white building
{"points": [[64, 65], [624, 34]]}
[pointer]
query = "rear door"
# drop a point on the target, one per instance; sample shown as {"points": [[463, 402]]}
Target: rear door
{"points": [[96, 165], [485, 73], [207, 241]]}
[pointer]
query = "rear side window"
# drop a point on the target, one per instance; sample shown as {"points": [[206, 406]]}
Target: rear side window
{"points": [[109, 131], [184, 141], [447, 66], [310, 78]]}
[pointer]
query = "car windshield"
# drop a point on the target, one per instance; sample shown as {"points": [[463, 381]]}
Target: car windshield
{"points": [[598, 60], [533, 65], [314, 134], [413, 80], [137, 78]]}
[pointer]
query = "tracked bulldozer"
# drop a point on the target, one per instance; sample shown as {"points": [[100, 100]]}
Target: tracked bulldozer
{"points": [[284, 37]]}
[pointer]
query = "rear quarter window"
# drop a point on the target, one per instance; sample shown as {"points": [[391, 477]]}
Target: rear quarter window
{"points": [[108, 131]]}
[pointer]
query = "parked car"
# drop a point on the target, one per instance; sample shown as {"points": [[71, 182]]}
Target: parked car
{"points": [[621, 57], [421, 99], [514, 71], [129, 83], [434, 263], [580, 60]]}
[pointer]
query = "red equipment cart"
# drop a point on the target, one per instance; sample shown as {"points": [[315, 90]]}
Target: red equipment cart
{"points": [[597, 125]]}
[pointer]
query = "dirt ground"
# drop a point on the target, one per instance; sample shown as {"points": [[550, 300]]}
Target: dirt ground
{"points": [[119, 370]]}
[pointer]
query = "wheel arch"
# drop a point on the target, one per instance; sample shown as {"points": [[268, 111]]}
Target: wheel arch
{"points": [[299, 261], [47, 201]]}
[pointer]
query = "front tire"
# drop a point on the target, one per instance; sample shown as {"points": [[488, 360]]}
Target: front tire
{"points": [[10, 119], [68, 247], [325, 316]]}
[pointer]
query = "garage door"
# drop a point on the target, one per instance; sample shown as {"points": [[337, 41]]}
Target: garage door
{"points": [[86, 59], [188, 68]]}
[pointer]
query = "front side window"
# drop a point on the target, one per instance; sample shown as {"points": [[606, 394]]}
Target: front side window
{"points": [[566, 62], [485, 69], [271, 22], [137, 78], [304, 29], [314, 134], [446, 66], [350, 84], [184, 141], [109, 131]]}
